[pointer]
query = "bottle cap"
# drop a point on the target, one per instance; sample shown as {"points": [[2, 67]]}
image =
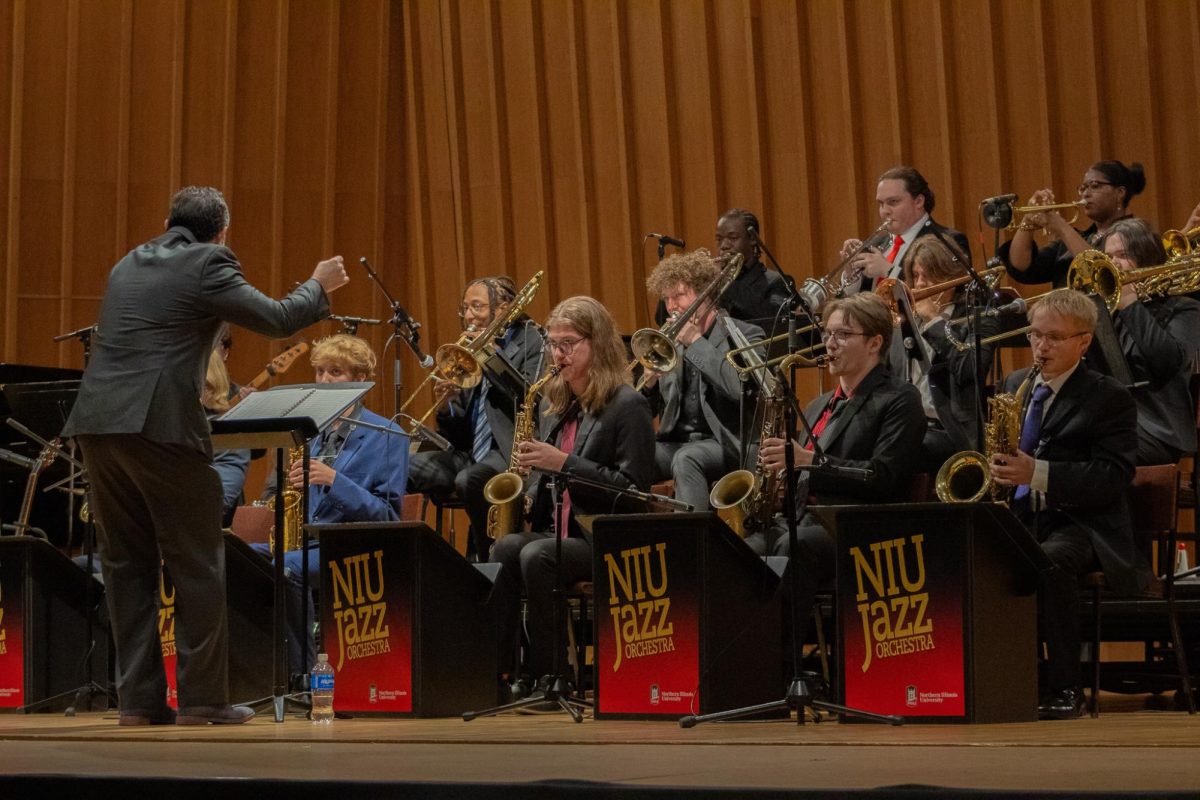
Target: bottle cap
{"points": [[322, 658]]}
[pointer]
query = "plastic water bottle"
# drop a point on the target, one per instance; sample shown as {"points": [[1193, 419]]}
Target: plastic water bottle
{"points": [[1181, 559], [322, 691]]}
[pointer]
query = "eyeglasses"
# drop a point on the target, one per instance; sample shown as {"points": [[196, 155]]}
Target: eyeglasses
{"points": [[564, 346], [1053, 339], [1092, 186], [839, 336], [478, 309]]}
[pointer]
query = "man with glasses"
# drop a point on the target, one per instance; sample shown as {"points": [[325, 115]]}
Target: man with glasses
{"points": [[872, 421], [478, 422], [1071, 473], [703, 416]]}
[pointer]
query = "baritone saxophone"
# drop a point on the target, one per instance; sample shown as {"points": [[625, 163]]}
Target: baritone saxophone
{"points": [[505, 491]]}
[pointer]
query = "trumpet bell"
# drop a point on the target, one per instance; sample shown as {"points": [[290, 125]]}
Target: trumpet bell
{"points": [[964, 478], [457, 364], [1179, 243], [653, 349]]}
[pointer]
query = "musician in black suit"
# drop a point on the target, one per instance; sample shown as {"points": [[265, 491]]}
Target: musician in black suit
{"points": [[705, 412], [949, 380], [1158, 337], [145, 442], [1107, 189], [872, 421], [478, 422], [1073, 468], [906, 203], [594, 426]]}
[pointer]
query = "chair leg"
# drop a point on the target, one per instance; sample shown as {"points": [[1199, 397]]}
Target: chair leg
{"points": [[824, 656], [1095, 709]]}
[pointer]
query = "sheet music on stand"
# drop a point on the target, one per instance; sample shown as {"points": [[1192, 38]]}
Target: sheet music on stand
{"points": [[258, 420]]}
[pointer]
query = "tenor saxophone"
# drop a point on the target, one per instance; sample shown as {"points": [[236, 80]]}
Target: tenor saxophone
{"points": [[293, 515], [745, 500], [965, 477], [504, 491]]}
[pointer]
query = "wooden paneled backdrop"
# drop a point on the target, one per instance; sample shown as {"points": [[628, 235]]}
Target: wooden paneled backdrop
{"points": [[446, 139]]}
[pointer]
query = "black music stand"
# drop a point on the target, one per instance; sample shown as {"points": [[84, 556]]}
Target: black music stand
{"points": [[282, 418]]}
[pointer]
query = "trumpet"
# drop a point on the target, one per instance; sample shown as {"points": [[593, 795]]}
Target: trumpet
{"points": [[1179, 243], [655, 349], [817, 291], [1038, 209], [461, 362]]}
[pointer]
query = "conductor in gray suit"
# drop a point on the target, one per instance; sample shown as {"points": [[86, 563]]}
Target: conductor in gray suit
{"points": [[145, 442], [703, 413]]}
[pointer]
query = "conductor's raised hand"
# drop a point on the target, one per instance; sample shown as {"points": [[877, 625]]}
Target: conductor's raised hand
{"points": [[331, 274]]}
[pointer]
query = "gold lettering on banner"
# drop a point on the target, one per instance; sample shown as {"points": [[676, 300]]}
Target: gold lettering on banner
{"points": [[638, 604], [893, 623], [359, 612], [166, 616]]}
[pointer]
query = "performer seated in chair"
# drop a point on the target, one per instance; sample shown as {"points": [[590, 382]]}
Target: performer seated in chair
{"points": [[1158, 337], [703, 415], [871, 421], [594, 425], [1071, 473], [355, 474], [479, 421], [948, 382]]}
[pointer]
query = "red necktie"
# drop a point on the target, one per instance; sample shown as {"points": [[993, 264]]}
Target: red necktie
{"points": [[823, 421], [891, 256]]}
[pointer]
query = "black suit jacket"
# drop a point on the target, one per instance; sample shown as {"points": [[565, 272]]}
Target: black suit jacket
{"points": [[615, 446], [163, 306], [879, 429], [1089, 436], [525, 352], [1159, 340], [953, 375], [930, 228]]}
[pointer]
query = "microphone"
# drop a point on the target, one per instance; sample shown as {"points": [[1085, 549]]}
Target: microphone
{"points": [[997, 211], [1000, 199], [668, 240], [1018, 306], [16, 459]]}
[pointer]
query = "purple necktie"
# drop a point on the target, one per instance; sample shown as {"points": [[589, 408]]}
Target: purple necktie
{"points": [[1032, 429]]}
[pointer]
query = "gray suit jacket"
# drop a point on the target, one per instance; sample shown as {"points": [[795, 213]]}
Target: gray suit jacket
{"points": [[721, 402], [163, 306]]}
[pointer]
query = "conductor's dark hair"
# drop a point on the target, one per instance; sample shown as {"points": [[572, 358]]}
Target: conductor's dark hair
{"points": [[914, 183], [200, 209]]}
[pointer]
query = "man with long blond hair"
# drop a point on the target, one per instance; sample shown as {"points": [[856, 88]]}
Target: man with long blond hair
{"points": [[594, 426], [704, 417]]}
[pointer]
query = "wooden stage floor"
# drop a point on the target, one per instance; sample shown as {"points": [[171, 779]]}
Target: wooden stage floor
{"points": [[1124, 750]]}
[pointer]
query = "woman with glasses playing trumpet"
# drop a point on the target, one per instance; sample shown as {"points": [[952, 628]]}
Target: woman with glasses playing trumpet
{"points": [[1107, 189], [703, 414], [1158, 337], [949, 380], [478, 421]]}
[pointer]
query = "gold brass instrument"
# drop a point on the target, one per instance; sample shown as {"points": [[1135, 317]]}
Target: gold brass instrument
{"points": [[504, 491], [654, 348], [293, 514], [1179, 243], [965, 477], [990, 276], [818, 291], [1038, 209], [805, 357], [461, 362]]}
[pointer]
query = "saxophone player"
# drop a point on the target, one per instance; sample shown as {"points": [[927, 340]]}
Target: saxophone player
{"points": [[593, 425], [704, 418], [478, 422], [356, 474], [1072, 471]]}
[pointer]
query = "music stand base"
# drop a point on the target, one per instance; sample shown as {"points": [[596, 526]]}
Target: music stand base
{"points": [[800, 699], [279, 703], [550, 689]]}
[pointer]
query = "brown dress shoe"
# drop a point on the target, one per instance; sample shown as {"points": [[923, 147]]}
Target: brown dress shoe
{"points": [[136, 718], [217, 715]]}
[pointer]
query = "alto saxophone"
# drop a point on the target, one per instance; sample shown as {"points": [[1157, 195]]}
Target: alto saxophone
{"points": [[965, 477], [293, 514], [504, 491]]}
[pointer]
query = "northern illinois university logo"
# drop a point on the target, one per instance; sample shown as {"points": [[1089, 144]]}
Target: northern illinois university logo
{"points": [[891, 600], [359, 609], [638, 602]]}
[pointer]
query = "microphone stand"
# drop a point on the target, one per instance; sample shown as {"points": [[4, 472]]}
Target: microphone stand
{"points": [[552, 688], [405, 329], [799, 696]]}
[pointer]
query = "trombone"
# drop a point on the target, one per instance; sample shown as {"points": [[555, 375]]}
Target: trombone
{"points": [[1179, 243], [817, 291], [1021, 226], [991, 276], [811, 356]]}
